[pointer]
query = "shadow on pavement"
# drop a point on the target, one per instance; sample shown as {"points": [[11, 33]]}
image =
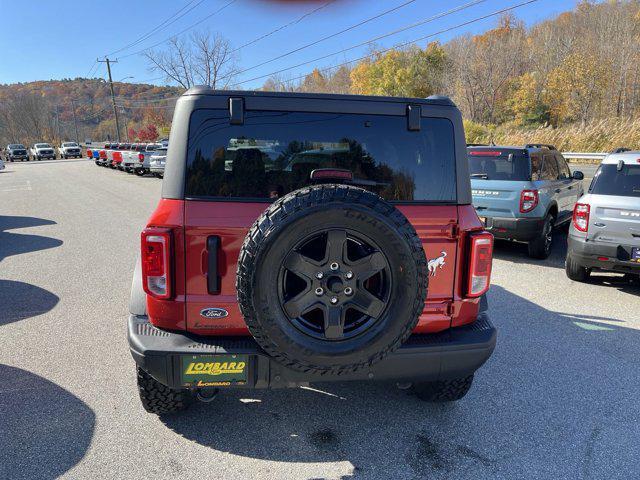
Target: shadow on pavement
{"points": [[517, 252], [44, 429], [561, 394], [17, 244], [19, 300]]}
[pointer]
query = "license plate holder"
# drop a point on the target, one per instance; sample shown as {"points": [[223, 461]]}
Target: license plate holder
{"points": [[214, 370], [635, 254]]}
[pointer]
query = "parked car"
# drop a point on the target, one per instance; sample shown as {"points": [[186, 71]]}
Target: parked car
{"points": [[69, 150], [369, 269], [522, 193], [16, 151], [2, 167], [157, 162], [143, 165], [605, 230], [42, 150]]}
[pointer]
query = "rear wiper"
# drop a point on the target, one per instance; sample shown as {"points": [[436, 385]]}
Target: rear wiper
{"points": [[480, 175]]}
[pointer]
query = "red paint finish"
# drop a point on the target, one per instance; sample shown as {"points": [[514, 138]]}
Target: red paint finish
{"points": [[441, 229], [465, 310], [170, 314], [117, 157], [436, 226], [103, 154]]}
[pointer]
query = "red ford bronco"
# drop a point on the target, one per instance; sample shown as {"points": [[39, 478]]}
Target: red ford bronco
{"points": [[311, 238]]}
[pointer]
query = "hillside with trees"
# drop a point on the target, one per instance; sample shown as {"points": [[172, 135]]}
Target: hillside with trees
{"points": [[50, 110], [573, 80]]}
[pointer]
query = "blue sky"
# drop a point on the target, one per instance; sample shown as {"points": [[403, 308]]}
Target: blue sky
{"points": [[42, 40]]}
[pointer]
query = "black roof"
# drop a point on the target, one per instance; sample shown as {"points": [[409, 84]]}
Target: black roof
{"points": [[432, 100]]}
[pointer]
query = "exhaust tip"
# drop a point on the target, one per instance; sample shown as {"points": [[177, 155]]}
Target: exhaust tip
{"points": [[208, 395]]}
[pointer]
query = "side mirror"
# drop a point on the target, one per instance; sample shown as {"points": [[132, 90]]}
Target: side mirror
{"points": [[578, 175]]}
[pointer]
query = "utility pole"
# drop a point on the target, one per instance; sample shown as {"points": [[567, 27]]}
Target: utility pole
{"points": [[75, 120], [113, 96], [58, 124], [126, 123]]}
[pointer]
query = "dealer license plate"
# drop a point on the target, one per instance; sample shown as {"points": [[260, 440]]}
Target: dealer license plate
{"points": [[214, 370]]}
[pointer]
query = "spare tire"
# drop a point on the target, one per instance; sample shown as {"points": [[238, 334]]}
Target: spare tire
{"points": [[331, 279]]}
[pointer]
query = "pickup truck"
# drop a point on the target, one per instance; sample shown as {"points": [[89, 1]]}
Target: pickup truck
{"points": [[157, 162], [130, 157], [70, 150], [142, 159], [42, 150], [16, 151]]}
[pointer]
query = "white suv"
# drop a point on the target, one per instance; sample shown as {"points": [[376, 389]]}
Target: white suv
{"points": [[605, 228]]}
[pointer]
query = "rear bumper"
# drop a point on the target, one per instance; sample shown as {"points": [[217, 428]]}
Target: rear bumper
{"points": [[587, 254], [455, 353], [520, 229]]}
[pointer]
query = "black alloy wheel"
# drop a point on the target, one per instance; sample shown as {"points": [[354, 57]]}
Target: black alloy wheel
{"points": [[335, 284]]}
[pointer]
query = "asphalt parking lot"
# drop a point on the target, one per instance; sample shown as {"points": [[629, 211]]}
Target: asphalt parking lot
{"points": [[560, 398]]}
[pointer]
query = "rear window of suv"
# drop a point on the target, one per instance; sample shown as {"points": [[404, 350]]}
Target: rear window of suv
{"points": [[611, 181], [274, 153], [498, 165]]}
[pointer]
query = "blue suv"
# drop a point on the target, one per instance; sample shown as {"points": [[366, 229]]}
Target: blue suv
{"points": [[522, 193]]}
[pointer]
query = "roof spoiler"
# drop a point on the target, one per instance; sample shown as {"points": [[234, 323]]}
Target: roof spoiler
{"points": [[540, 145]]}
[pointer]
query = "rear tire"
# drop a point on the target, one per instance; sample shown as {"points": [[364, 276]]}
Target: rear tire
{"points": [[443, 390], [160, 399], [540, 246], [575, 271]]}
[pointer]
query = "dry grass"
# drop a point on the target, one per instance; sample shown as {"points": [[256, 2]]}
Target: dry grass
{"points": [[601, 136]]}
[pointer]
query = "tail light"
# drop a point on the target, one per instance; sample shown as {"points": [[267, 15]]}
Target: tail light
{"points": [[581, 217], [156, 262], [528, 200], [480, 264], [141, 157]]}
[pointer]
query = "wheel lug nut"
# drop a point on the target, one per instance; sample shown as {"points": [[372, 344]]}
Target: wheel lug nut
{"points": [[349, 275], [334, 266], [319, 275], [334, 300], [319, 291], [348, 291]]}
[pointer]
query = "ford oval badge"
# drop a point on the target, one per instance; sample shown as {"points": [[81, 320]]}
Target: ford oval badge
{"points": [[213, 313]]}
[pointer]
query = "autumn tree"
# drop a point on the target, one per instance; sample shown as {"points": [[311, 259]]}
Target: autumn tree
{"points": [[483, 67], [409, 72], [574, 88]]}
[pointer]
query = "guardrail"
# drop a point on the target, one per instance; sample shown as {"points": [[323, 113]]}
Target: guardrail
{"points": [[583, 155]]}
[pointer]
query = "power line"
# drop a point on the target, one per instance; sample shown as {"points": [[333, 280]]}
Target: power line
{"points": [[335, 34], [379, 37], [181, 32], [399, 45], [164, 23], [282, 27]]}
